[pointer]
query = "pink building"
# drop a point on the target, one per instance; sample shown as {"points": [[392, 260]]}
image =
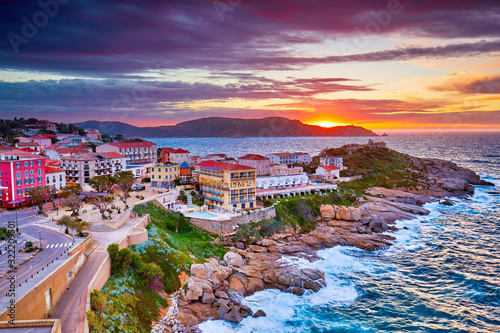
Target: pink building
{"points": [[42, 141], [259, 162], [17, 176], [135, 152]]}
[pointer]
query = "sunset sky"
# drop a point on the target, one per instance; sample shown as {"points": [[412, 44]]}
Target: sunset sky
{"points": [[383, 65]]}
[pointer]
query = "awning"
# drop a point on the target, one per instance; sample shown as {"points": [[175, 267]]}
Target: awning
{"points": [[16, 201]]}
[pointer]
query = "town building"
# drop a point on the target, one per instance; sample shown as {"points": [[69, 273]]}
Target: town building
{"points": [[164, 175], [94, 135], [81, 168], [55, 177], [185, 170], [283, 158], [338, 161], [42, 140], [282, 181], [177, 156], [18, 174], [193, 160], [165, 154], [71, 139], [28, 144], [227, 185], [259, 162], [57, 152], [281, 170], [135, 152], [304, 158], [330, 172]]}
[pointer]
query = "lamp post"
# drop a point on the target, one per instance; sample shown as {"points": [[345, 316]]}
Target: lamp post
{"points": [[17, 224], [40, 236]]}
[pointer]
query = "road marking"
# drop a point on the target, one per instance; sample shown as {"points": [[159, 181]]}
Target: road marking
{"points": [[54, 246]]}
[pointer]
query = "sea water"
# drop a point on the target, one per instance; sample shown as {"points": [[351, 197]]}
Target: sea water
{"points": [[441, 275]]}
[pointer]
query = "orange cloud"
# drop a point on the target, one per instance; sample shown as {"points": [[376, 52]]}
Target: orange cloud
{"points": [[468, 83]]}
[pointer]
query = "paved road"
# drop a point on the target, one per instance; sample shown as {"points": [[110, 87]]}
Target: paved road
{"points": [[54, 244], [71, 307]]}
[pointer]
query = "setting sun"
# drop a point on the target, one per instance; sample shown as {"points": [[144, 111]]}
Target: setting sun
{"points": [[324, 124]]}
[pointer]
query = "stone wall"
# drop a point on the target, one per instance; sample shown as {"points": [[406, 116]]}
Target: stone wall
{"points": [[88, 242], [33, 305], [231, 225]]}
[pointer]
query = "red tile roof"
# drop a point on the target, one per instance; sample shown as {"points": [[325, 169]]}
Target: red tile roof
{"points": [[167, 150], [223, 166], [54, 163], [49, 169], [179, 151], [29, 150], [281, 154], [132, 144], [111, 155], [330, 167], [2, 147], [253, 157], [93, 132]]}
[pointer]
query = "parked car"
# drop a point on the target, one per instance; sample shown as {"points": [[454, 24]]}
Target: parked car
{"points": [[138, 188]]}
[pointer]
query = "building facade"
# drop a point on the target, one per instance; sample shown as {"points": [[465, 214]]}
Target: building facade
{"points": [[330, 172], [134, 152], [164, 175], [259, 162], [283, 158], [281, 170], [177, 156], [225, 184], [81, 168], [304, 158], [18, 175], [332, 160], [281, 182], [55, 177]]}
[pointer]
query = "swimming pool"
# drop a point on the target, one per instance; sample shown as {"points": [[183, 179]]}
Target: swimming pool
{"points": [[202, 215]]}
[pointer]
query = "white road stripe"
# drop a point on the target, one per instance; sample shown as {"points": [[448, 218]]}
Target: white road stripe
{"points": [[66, 245], [57, 245]]}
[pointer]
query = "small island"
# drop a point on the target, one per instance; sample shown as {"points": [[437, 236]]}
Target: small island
{"points": [[184, 275]]}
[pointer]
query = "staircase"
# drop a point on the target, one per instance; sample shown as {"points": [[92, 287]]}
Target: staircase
{"points": [[189, 201]]}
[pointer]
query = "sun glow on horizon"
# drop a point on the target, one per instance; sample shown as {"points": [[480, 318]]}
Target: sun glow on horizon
{"points": [[324, 123]]}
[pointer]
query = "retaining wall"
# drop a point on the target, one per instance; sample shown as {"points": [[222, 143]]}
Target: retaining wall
{"points": [[230, 225]]}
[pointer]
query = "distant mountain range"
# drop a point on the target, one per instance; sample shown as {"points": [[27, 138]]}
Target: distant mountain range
{"points": [[225, 127]]}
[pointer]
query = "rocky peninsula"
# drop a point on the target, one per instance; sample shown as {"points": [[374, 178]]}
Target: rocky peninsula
{"points": [[214, 289]]}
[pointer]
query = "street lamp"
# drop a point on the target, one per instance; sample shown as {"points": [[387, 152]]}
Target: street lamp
{"points": [[17, 225], [40, 236]]}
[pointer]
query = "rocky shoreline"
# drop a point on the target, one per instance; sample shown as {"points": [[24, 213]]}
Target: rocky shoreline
{"points": [[214, 289]]}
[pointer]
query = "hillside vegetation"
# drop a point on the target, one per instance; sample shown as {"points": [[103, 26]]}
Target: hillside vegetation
{"points": [[142, 274]]}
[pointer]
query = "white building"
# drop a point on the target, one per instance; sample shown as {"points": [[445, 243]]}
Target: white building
{"points": [[330, 172], [281, 182], [179, 155], [55, 177], [304, 158], [332, 160]]}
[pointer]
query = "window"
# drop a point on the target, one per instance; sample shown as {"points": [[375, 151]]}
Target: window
{"points": [[26, 174], [38, 162], [19, 191], [31, 172], [18, 164], [25, 164], [60, 178], [48, 181], [31, 163], [19, 174], [153, 177], [39, 172]]}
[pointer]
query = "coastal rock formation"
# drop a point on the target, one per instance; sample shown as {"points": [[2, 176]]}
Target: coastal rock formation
{"points": [[214, 289]]}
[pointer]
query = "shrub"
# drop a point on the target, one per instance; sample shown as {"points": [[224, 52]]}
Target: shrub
{"points": [[97, 301]]}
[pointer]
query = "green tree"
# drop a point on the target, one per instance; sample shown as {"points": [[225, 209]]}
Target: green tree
{"points": [[124, 181], [37, 196], [102, 184], [101, 202], [73, 224], [71, 198], [51, 192]]}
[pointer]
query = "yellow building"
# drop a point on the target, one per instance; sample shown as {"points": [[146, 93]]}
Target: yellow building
{"points": [[164, 175], [226, 184]]}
